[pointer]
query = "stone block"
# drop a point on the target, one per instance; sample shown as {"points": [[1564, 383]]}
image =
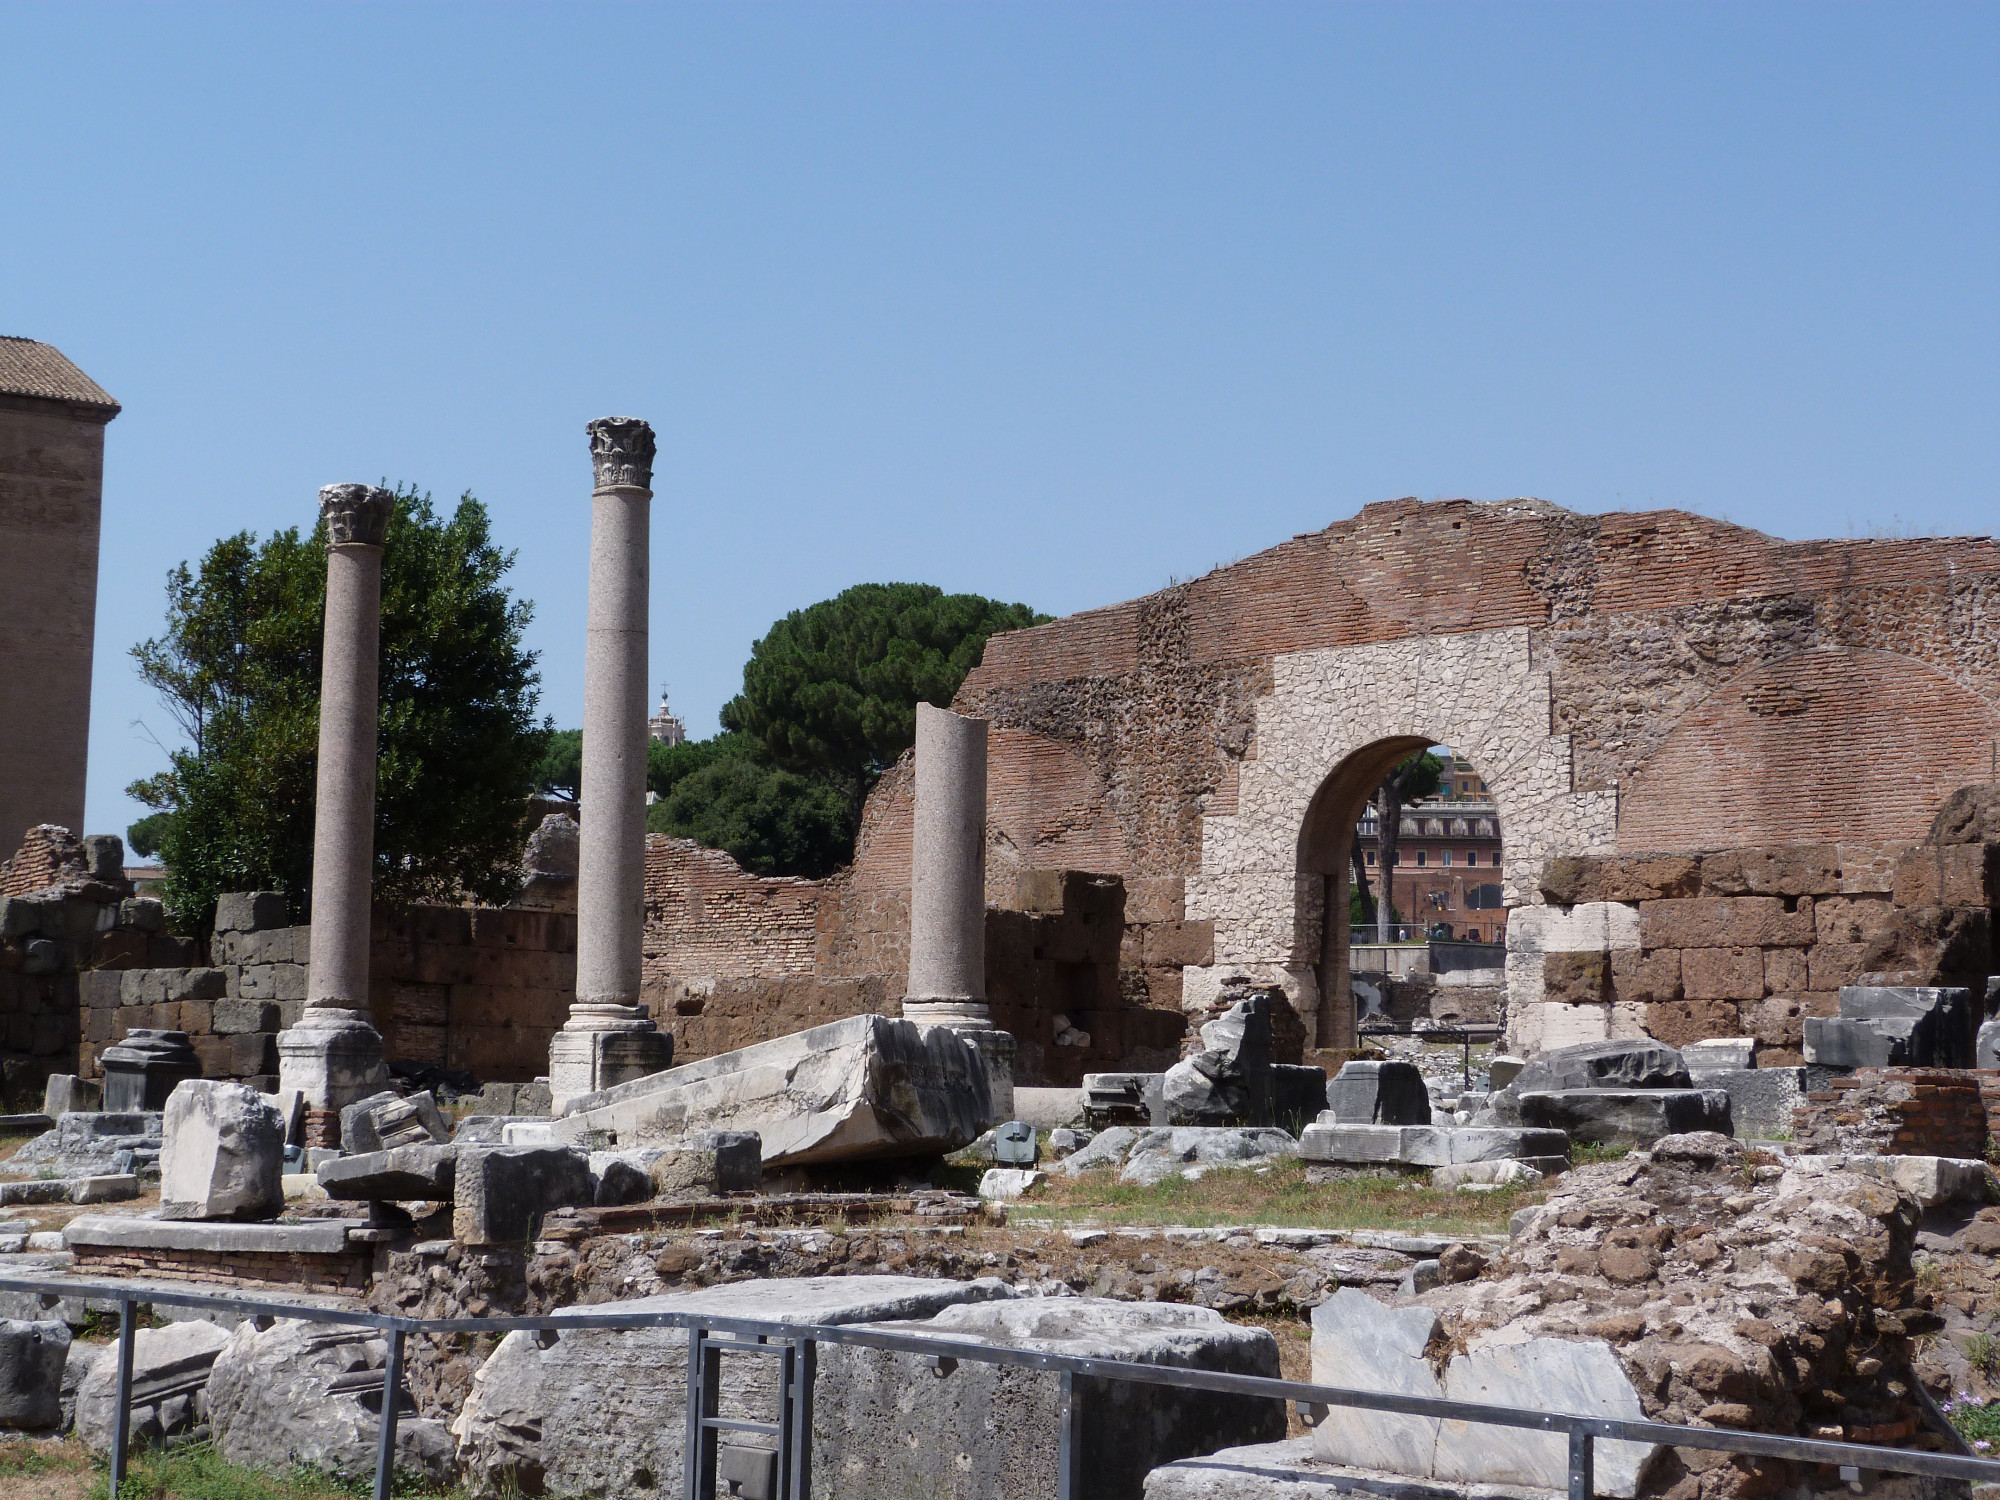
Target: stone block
{"points": [[1830, 966], [145, 1068], [1629, 1116], [1722, 973], [1774, 870], [232, 1017], [1604, 1065], [1379, 1093], [1934, 1181], [538, 1416], [1734, 922], [252, 1053], [382, 1122], [1298, 1093], [1004, 1184], [1761, 1100], [894, 1429], [142, 913], [1589, 927], [1566, 1026], [1577, 978], [213, 1237], [223, 1153], [66, 1092], [1687, 1021], [500, 1194], [1228, 1082], [328, 1420], [32, 1356], [257, 982], [1717, 1055], [1640, 978], [196, 984], [706, 1163], [1856, 919], [1362, 1344], [1191, 1150], [100, 988], [179, 1353], [405, 1173], [1571, 880], [1180, 943], [1786, 971], [250, 911], [866, 1087]]}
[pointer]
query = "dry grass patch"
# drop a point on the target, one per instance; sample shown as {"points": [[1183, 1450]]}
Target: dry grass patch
{"points": [[1278, 1194]]}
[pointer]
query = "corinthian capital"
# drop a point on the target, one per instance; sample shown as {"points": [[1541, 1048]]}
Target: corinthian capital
{"points": [[357, 515], [621, 453]]}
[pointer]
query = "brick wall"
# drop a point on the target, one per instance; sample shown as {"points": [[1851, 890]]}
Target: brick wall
{"points": [[707, 916], [1746, 942], [479, 990], [1897, 1112]]}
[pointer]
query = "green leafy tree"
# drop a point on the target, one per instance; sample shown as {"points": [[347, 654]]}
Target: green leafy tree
{"points": [[832, 690], [239, 669], [144, 837], [560, 769], [769, 820]]}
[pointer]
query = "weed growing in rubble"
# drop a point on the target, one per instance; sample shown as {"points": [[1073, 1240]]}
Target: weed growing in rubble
{"points": [[195, 1471], [1978, 1422], [1982, 1352]]}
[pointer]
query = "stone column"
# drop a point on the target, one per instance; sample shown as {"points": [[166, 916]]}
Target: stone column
{"points": [[947, 985], [333, 1056], [608, 1038]]}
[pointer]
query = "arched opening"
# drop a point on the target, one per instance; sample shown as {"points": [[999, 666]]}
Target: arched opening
{"points": [[1440, 897]]}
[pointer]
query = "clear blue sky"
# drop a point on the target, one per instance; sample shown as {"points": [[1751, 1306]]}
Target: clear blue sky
{"points": [[1050, 303]]}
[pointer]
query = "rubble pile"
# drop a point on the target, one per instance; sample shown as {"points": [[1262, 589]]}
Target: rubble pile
{"points": [[1736, 1291]]}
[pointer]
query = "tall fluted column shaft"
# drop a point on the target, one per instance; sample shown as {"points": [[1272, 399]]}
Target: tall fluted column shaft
{"points": [[948, 865], [333, 1056], [611, 874], [344, 813], [608, 1039]]}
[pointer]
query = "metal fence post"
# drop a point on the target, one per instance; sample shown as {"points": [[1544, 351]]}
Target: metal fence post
{"points": [[704, 1400], [121, 1417], [1582, 1464], [801, 1367], [392, 1386], [1069, 1441]]}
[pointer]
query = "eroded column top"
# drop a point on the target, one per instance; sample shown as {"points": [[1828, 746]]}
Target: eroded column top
{"points": [[357, 515], [621, 453]]}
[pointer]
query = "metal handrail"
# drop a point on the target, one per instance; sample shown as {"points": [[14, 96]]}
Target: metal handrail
{"points": [[1583, 1431]]}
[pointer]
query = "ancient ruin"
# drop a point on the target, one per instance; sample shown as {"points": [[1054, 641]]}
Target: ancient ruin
{"points": [[1713, 1084]]}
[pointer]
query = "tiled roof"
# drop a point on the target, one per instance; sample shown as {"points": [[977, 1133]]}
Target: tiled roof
{"points": [[31, 369]]}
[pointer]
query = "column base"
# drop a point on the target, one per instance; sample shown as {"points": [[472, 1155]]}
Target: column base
{"points": [[332, 1057], [973, 1021], [586, 1058]]}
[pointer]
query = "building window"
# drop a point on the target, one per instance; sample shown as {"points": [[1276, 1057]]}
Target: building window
{"points": [[1420, 858], [1445, 859], [1371, 856], [1472, 856]]}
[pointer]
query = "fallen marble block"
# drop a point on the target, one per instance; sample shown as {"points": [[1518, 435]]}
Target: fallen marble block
{"points": [[897, 1429], [384, 1121], [1124, 1099], [487, 1130], [404, 1174], [309, 1395], [1761, 1100], [32, 1356], [1638, 1064], [1479, 1176], [1361, 1344], [67, 1094], [84, 1143], [223, 1153], [862, 1088], [1228, 1082], [500, 1194], [1723, 1054], [170, 1367], [111, 1187], [1630, 1116], [707, 1163], [604, 1412], [1004, 1184], [1378, 1093], [1427, 1145]]}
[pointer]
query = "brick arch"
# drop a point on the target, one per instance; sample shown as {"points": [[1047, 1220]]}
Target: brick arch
{"points": [[1333, 719], [1818, 746]]}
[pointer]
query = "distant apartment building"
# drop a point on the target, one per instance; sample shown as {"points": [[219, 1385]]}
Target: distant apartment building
{"points": [[1446, 882]]}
